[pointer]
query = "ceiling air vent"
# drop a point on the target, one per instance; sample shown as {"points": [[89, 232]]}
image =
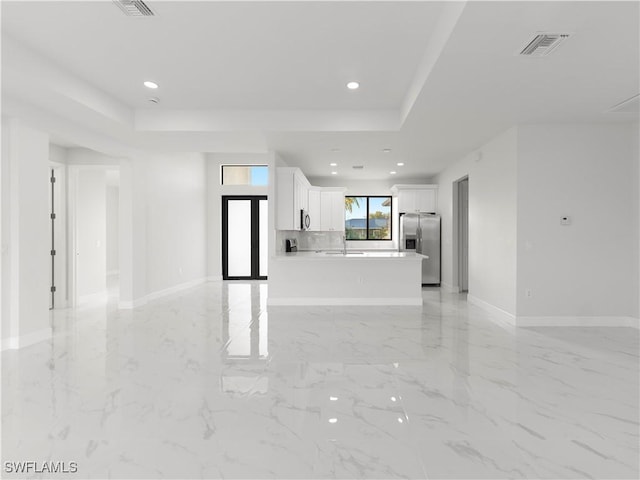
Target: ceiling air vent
{"points": [[134, 8], [357, 167], [543, 44]]}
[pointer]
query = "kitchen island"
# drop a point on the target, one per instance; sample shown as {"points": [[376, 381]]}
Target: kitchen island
{"points": [[354, 278]]}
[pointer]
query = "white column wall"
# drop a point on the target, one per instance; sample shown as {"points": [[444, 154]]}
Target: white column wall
{"points": [[5, 212], [635, 129], [492, 221], [113, 234], [132, 225], [25, 234], [176, 220], [91, 233]]}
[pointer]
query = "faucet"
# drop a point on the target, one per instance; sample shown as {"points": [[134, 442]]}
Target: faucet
{"points": [[344, 244]]}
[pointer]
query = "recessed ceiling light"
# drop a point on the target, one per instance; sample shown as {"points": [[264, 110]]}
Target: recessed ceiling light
{"points": [[353, 85], [333, 420], [400, 164], [333, 164], [334, 173], [386, 150], [392, 173], [149, 84]]}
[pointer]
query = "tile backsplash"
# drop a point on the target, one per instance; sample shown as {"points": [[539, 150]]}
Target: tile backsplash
{"points": [[310, 240]]}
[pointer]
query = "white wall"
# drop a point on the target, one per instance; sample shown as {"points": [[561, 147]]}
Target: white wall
{"points": [[113, 231], [5, 224], [215, 191], [176, 185], [589, 268], [635, 129], [132, 218], [25, 234], [492, 221], [86, 156], [91, 233], [57, 154]]}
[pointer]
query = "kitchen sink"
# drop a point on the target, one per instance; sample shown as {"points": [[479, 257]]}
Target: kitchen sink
{"points": [[342, 253]]}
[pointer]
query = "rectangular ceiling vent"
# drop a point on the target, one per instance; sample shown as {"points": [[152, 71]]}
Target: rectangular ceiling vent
{"points": [[543, 44], [134, 8]]}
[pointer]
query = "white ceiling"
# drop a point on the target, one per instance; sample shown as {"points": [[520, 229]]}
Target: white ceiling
{"points": [[438, 78], [234, 55]]}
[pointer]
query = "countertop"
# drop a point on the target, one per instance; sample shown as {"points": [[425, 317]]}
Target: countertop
{"points": [[337, 254]]}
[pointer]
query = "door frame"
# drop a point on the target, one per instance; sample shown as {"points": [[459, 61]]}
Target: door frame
{"points": [[255, 236]]}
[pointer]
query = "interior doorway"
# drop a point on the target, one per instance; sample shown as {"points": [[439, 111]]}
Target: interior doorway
{"points": [[463, 234], [244, 237]]}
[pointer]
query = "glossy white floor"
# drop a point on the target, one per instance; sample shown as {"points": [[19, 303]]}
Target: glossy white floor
{"points": [[209, 384]]}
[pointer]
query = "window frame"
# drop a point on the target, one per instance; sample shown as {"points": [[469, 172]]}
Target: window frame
{"points": [[368, 239], [242, 165]]}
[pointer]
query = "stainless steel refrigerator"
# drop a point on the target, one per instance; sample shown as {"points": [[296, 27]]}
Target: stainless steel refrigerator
{"points": [[420, 233]]}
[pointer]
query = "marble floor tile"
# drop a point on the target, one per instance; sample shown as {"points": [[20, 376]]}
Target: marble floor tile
{"points": [[210, 383]]}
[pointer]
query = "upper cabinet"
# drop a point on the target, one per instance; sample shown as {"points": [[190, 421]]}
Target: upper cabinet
{"points": [[315, 209], [332, 209], [294, 193], [292, 197], [416, 198]]}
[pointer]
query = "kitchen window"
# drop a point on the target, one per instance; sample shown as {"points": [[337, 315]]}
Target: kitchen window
{"points": [[367, 217], [252, 175]]}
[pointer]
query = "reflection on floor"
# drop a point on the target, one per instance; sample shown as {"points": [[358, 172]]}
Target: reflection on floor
{"points": [[209, 384]]}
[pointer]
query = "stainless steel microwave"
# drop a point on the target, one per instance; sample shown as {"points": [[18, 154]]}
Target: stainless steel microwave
{"points": [[305, 220]]}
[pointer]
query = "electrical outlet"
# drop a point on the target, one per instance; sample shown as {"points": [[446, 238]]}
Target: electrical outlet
{"points": [[527, 293]]}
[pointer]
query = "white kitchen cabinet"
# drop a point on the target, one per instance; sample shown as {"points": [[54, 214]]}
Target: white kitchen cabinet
{"points": [[315, 209], [416, 198], [332, 210], [292, 196]]}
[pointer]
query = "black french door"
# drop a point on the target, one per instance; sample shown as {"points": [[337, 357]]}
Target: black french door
{"points": [[244, 237]]}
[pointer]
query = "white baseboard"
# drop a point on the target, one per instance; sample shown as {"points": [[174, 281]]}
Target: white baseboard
{"points": [[129, 304], [447, 287], [175, 289], [91, 299], [498, 316], [349, 301], [567, 321], [509, 321], [13, 343]]}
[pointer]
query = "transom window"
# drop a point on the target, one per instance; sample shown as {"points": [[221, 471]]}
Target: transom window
{"points": [[253, 175], [367, 217]]}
